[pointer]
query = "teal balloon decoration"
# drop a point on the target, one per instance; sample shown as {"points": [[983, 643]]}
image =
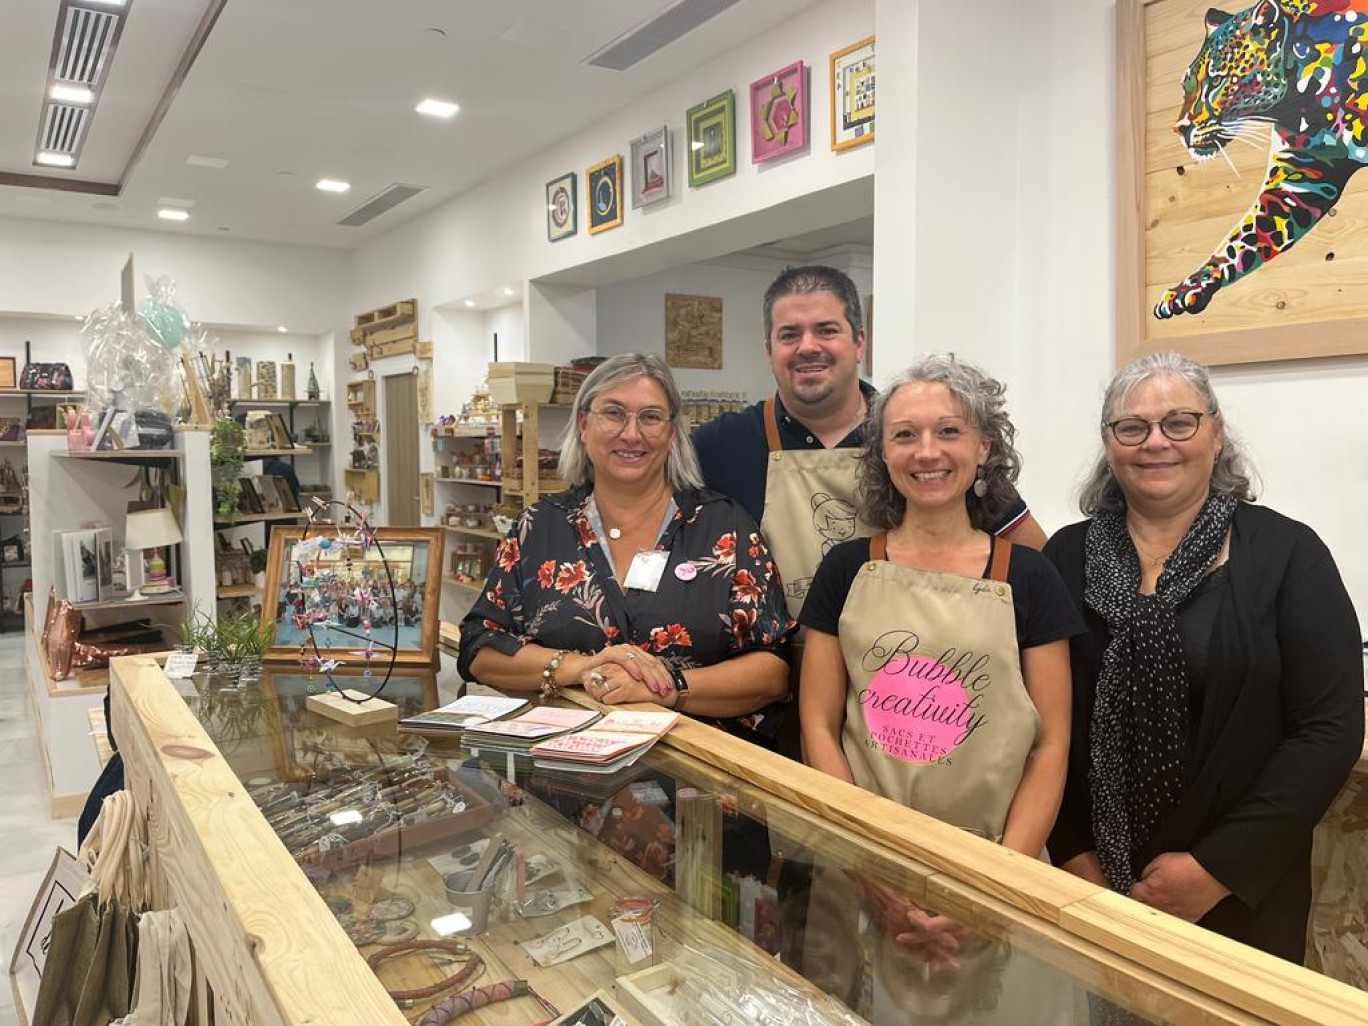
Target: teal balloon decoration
{"points": [[165, 322]]}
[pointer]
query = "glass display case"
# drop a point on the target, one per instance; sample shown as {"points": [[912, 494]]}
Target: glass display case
{"points": [[342, 874]]}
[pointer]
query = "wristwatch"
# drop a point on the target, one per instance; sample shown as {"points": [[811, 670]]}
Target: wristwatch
{"points": [[681, 685]]}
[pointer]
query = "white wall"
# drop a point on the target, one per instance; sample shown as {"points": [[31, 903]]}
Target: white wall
{"points": [[997, 200]]}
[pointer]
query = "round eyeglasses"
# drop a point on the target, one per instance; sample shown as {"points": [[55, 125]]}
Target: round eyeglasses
{"points": [[1178, 426], [613, 420]]}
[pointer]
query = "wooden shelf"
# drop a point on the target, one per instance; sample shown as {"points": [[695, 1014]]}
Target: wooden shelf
{"points": [[259, 518], [466, 431], [135, 457], [14, 445], [473, 589], [227, 591], [468, 481], [476, 532], [55, 393], [171, 598], [276, 404], [261, 454]]}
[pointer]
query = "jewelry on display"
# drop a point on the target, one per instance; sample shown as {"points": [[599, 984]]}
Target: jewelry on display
{"points": [[549, 687], [398, 932], [458, 1005], [472, 966], [361, 931], [391, 909]]}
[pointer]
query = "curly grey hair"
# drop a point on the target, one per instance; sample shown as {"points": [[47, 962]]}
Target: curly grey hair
{"points": [[681, 462], [1232, 474], [985, 407]]}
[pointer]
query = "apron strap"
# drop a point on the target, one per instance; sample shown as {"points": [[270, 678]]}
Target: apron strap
{"points": [[772, 427], [878, 546], [1000, 560]]}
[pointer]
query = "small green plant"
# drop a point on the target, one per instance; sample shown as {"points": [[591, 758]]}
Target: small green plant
{"points": [[226, 453], [229, 640]]}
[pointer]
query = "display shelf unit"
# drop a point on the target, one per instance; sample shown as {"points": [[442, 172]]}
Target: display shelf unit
{"points": [[171, 598], [126, 457], [259, 518], [363, 482], [231, 591], [261, 454]]}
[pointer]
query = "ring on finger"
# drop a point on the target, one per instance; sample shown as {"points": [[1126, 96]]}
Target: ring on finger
{"points": [[597, 679]]}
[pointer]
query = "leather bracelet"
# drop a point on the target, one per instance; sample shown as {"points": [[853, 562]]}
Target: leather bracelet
{"points": [[472, 968], [479, 997], [549, 687]]}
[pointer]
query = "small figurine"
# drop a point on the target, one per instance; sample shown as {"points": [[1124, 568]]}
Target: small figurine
{"points": [[311, 389]]}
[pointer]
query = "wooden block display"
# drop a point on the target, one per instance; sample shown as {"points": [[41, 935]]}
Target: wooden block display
{"points": [[361, 712], [364, 483], [511, 382]]}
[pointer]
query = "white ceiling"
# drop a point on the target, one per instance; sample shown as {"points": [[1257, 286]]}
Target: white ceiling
{"points": [[290, 91]]}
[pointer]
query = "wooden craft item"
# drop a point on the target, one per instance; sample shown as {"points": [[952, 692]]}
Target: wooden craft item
{"points": [[359, 713]]}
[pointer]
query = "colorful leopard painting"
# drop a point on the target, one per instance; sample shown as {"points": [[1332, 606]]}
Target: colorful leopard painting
{"points": [[1299, 68]]}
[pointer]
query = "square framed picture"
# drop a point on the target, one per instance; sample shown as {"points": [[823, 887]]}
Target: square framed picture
{"points": [[8, 374], [651, 167], [852, 95], [603, 191], [712, 139], [779, 115], [562, 215]]}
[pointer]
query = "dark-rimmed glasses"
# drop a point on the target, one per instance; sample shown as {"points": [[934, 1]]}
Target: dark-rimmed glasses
{"points": [[613, 420], [1178, 426]]}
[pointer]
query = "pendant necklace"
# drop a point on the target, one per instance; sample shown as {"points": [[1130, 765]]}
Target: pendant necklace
{"points": [[615, 533]]}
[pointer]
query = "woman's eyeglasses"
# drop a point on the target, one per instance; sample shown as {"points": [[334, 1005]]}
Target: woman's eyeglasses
{"points": [[613, 420], [1178, 426]]}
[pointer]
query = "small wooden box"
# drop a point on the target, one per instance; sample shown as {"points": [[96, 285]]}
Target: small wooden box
{"points": [[511, 383], [649, 995], [360, 713]]}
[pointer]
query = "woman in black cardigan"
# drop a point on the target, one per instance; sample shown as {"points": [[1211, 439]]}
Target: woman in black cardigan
{"points": [[1218, 695]]}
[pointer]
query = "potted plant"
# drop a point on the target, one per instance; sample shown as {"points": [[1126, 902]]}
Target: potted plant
{"points": [[231, 647], [226, 453], [258, 562]]}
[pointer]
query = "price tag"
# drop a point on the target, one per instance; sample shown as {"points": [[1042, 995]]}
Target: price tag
{"points": [[632, 940], [180, 665]]}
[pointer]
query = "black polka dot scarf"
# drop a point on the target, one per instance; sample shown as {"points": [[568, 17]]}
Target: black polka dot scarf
{"points": [[1138, 745]]}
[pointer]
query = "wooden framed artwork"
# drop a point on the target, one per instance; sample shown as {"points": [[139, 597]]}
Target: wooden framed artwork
{"points": [[852, 95], [603, 190], [326, 587], [9, 375], [712, 139], [693, 331], [651, 170], [779, 114], [562, 215], [427, 498], [1241, 239]]}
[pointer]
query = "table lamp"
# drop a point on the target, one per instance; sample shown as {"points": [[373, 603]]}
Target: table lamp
{"points": [[151, 529]]}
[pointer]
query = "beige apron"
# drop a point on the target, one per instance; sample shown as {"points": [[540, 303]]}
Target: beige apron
{"points": [[809, 507], [937, 716]]}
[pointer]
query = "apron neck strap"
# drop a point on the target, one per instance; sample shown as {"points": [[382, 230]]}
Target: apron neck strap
{"points": [[878, 546], [1000, 559], [772, 427]]}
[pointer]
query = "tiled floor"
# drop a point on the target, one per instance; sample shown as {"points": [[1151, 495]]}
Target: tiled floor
{"points": [[27, 834]]}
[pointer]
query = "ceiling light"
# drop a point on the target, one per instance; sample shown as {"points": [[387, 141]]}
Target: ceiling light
{"points": [[71, 94], [109, 3], [282, 329], [470, 302], [217, 163], [332, 185], [508, 292], [437, 108], [50, 159], [172, 214]]}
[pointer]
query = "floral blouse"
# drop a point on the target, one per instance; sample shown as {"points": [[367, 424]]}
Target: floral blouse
{"points": [[719, 596]]}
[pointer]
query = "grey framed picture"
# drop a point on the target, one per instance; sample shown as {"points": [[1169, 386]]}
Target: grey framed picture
{"points": [[562, 212], [652, 176]]}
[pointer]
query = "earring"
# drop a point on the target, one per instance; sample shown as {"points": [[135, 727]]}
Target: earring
{"points": [[980, 485]]}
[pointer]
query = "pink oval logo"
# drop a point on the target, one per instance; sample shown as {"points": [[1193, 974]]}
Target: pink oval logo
{"points": [[686, 571], [918, 710]]}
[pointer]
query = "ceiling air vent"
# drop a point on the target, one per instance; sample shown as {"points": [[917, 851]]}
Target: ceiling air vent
{"points": [[85, 41], [676, 20], [381, 203], [63, 127]]}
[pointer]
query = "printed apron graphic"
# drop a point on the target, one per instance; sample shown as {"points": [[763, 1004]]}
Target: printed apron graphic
{"points": [[834, 520]]}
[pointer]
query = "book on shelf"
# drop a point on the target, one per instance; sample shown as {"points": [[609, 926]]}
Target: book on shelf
{"points": [[466, 711], [522, 732], [79, 569], [617, 740]]}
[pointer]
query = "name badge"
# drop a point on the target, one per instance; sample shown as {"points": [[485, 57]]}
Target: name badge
{"points": [[648, 566]]}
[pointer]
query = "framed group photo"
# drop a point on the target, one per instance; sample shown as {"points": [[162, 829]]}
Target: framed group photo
{"points": [[852, 95], [779, 115], [712, 139], [651, 171], [603, 190], [562, 217]]}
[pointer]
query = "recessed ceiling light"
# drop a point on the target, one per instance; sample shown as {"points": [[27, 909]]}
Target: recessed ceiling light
{"points": [[437, 108], [470, 302], [285, 174], [55, 159], [172, 214], [281, 328], [508, 292], [217, 163], [332, 185], [71, 94]]}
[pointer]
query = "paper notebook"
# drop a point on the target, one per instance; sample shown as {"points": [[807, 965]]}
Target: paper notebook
{"points": [[467, 711], [534, 725], [610, 739]]}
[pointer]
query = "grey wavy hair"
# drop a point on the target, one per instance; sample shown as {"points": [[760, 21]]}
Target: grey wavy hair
{"points": [[1232, 474], [681, 462], [983, 399]]}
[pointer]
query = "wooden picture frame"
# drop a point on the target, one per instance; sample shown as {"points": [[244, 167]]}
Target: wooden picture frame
{"points": [[852, 95], [415, 558], [652, 171], [603, 193], [1179, 208], [9, 372], [779, 112], [711, 131], [562, 208]]}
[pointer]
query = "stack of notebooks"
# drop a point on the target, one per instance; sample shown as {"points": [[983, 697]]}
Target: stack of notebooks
{"points": [[466, 711], [519, 734], [613, 743]]}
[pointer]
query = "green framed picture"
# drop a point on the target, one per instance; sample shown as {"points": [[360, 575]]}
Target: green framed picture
{"points": [[712, 139]]}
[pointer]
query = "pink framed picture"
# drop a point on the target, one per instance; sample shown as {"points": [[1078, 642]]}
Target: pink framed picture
{"points": [[779, 113]]}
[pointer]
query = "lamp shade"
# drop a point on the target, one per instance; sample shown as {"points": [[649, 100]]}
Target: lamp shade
{"points": [[151, 529]]}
